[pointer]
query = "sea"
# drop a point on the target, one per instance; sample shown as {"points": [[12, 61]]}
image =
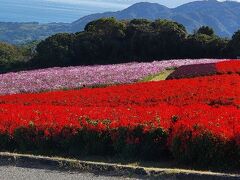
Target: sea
{"points": [[45, 11]]}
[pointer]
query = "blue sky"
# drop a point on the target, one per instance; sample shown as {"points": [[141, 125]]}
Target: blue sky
{"points": [[122, 3]]}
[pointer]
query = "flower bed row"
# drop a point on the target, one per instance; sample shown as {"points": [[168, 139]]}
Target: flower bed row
{"points": [[228, 67], [77, 77], [196, 134], [212, 90], [197, 70]]}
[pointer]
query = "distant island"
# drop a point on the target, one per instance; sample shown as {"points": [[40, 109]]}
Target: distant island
{"points": [[223, 17]]}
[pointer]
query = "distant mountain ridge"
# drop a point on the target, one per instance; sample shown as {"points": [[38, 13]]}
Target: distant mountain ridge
{"points": [[223, 17]]}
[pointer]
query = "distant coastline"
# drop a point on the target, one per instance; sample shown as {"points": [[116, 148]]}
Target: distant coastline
{"points": [[42, 12]]}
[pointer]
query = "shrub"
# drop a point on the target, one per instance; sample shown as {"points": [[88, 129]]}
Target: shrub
{"points": [[197, 146]]}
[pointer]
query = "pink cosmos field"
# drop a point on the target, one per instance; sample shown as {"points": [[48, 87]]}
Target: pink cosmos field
{"points": [[80, 76]]}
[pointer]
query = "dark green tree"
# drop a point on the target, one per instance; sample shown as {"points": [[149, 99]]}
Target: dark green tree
{"points": [[9, 53], [234, 45], [204, 46], [55, 50], [101, 43], [11, 57], [106, 26], [160, 39], [137, 38], [170, 36], [205, 30]]}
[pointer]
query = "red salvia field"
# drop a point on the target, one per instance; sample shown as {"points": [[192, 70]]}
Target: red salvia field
{"points": [[191, 113], [230, 67]]}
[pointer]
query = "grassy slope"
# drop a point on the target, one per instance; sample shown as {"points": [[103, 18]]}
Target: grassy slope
{"points": [[158, 77]]}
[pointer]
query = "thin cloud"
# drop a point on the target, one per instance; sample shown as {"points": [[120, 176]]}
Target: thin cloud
{"points": [[96, 3]]}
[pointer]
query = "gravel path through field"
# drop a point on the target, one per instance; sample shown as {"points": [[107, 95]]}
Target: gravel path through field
{"points": [[18, 173]]}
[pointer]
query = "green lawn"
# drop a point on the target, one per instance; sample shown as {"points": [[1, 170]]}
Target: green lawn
{"points": [[158, 77]]}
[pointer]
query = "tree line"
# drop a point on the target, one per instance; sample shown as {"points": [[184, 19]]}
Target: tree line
{"points": [[14, 58], [110, 41]]}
